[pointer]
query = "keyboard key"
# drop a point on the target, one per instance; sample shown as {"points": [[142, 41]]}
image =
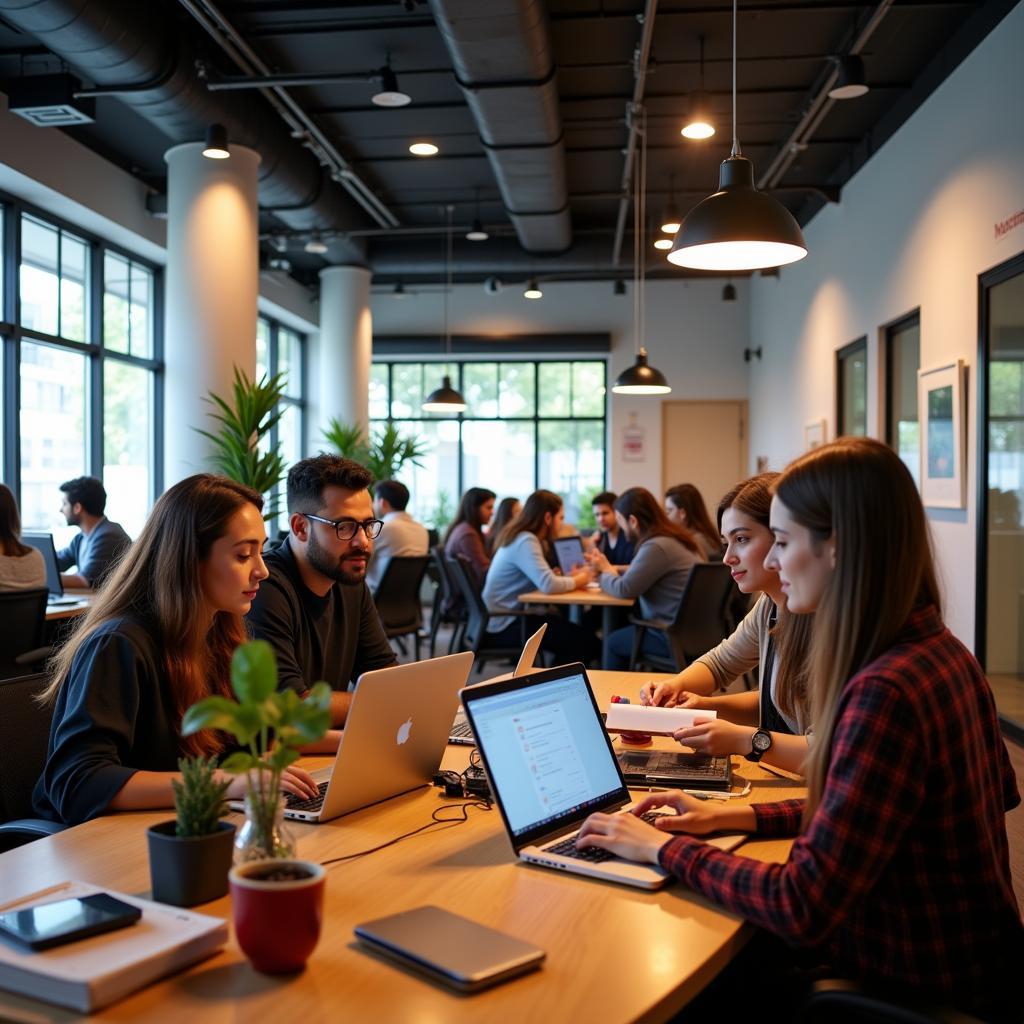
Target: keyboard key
{"points": [[293, 803]]}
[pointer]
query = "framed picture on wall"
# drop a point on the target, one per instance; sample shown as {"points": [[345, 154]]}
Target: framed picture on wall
{"points": [[815, 434], [940, 398]]}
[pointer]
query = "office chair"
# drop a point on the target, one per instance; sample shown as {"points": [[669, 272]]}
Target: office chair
{"points": [[398, 599], [24, 735], [698, 625], [448, 607], [23, 646], [838, 1001]]}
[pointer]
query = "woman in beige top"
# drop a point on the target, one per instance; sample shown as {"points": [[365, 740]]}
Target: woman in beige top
{"points": [[21, 566]]}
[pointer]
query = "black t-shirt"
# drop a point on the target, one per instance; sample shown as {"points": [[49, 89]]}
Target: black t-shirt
{"points": [[337, 637]]}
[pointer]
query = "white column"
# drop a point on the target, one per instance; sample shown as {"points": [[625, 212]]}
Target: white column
{"points": [[340, 372], [211, 286]]}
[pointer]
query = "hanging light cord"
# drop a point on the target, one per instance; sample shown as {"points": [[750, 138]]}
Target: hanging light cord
{"points": [[735, 137], [643, 222], [447, 277]]}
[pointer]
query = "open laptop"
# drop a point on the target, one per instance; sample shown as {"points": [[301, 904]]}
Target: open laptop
{"points": [[43, 543], [569, 552], [550, 765], [395, 736], [671, 770], [461, 732]]}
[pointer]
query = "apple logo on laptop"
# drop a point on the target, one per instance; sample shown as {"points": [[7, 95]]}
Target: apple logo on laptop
{"points": [[403, 731]]}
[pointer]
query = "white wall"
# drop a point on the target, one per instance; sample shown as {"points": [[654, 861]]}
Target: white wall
{"points": [[693, 337], [914, 229]]}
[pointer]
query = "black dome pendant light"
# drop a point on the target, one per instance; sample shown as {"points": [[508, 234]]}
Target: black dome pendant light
{"points": [[738, 227], [445, 398]]}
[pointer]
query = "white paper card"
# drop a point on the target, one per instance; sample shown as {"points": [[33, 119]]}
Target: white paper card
{"points": [[658, 721]]}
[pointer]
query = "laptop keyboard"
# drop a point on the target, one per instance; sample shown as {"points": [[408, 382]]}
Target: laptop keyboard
{"points": [[593, 854], [293, 803], [461, 730]]}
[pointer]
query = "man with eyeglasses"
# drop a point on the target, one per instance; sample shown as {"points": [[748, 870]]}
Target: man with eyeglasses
{"points": [[315, 608]]}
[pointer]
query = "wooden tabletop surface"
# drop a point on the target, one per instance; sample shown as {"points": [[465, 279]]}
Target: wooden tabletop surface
{"points": [[595, 598], [82, 600]]}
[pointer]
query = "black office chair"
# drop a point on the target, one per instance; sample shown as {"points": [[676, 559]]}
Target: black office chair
{"points": [[698, 625], [448, 607], [398, 599], [23, 647], [24, 735], [838, 1001], [475, 637]]}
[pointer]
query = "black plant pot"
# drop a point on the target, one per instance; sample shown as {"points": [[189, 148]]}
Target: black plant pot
{"points": [[192, 870]]}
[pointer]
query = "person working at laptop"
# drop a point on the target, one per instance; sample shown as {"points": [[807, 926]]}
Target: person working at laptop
{"points": [[99, 544], [315, 608], [899, 875], [21, 566], [158, 638]]}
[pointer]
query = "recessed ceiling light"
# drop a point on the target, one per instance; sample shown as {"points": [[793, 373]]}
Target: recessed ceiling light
{"points": [[423, 149], [663, 243]]}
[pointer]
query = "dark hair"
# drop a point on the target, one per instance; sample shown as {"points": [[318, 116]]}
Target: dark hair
{"points": [[502, 517], [158, 580], [604, 498], [308, 478], [86, 491], [752, 497], [10, 525], [469, 509], [651, 519], [688, 498], [395, 493], [531, 519]]}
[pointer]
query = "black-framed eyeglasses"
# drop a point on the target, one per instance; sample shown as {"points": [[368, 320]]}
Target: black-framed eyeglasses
{"points": [[346, 528]]}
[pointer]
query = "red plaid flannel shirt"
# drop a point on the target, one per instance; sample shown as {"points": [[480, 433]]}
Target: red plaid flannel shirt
{"points": [[902, 876]]}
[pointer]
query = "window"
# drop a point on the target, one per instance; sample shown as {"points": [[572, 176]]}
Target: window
{"points": [[852, 389], [902, 361], [526, 425]]}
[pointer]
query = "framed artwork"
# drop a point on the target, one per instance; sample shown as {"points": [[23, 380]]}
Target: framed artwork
{"points": [[815, 434], [940, 401]]}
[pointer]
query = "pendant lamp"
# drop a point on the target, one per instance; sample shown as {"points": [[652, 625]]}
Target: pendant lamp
{"points": [[698, 122], [641, 378], [445, 398], [738, 227]]}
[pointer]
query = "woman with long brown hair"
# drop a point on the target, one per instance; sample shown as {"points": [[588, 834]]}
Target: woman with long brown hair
{"points": [[664, 555], [158, 638], [465, 536], [508, 509], [685, 506], [899, 875], [21, 566], [768, 639]]}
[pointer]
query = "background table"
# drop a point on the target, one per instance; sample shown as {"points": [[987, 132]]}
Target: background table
{"points": [[585, 599], [615, 954], [83, 601]]}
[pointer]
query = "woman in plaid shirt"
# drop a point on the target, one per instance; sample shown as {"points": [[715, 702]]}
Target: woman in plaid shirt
{"points": [[899, 874]]}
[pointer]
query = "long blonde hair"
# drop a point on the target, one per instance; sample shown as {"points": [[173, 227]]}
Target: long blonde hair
{"points": [[157, 582], [858, 491]]}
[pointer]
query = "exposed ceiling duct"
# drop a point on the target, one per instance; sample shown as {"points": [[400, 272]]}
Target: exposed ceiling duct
{"points": [[503, 60], [120, 43]]}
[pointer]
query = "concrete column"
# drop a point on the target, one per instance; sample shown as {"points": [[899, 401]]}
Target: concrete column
{"points": [[212, 281], [340, 372]]}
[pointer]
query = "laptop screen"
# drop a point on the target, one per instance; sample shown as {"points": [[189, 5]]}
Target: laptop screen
{"points": [[43, 542], [570, 554], [546, 751]]}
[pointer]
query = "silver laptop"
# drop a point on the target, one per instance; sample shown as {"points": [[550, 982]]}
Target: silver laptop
{"points": [[43, 543], [550, 765], [461, 732], [395, 736]]}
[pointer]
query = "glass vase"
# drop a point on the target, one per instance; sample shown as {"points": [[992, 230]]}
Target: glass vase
{"points": [[264, 833]]}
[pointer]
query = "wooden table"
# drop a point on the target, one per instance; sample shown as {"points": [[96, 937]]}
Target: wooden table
{"points": [[82, 603], [615, 954], [587, 599]]}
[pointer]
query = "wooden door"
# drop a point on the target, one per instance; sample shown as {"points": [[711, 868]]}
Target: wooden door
{"points": [[704, 443]]}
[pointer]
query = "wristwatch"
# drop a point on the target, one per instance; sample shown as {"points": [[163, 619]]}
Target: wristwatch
{"points": [[760, 744]]}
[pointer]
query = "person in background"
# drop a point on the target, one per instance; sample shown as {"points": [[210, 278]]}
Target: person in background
{"points": [[99, 544], [508, 509], [519, 565], [899, 875], [157, 639], [609, 539], [768, 639], [465, 536], [21, 566], [665, 553], [401, 534], [685, 507], [315, 609]]}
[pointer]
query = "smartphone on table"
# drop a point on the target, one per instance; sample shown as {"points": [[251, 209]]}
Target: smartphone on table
{"points": [[54, 924]]}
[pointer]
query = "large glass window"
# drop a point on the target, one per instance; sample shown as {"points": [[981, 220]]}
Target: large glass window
{"points": [[127, 306], [902, 361], [54, 280], [852, 389], [527, 424]]}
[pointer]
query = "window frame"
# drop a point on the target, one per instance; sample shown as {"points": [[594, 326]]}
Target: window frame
{"points": [[842, 356]]}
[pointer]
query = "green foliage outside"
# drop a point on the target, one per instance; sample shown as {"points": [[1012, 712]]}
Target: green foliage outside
{"points": [[586, 521], [383, 452], [244, 427], [198, 797], [444, 512]]}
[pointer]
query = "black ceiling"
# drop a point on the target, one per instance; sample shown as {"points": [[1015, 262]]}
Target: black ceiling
{"points": [[784, 48]]}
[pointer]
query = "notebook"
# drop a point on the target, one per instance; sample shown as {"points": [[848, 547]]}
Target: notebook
{"points": [[550, 765], [461, 732], [395, 736], [43, 543], [569, 551]]}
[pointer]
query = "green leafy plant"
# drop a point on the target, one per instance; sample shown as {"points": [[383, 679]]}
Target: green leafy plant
{"points": [[198, 797], [383, 452], [443, 511], [269, 724], [244, 424], [586, 521]]}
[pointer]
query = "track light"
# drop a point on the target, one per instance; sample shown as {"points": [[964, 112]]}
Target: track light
{"points": [[423, 149], [850, 81], [389, 95], [477, 233], [316, 246], [620, 288], [399, 291], [216, 147], [729, 293], [532, 290]]}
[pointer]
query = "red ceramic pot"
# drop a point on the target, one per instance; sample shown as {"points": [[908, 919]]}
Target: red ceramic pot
{"points": [[277, 921]]}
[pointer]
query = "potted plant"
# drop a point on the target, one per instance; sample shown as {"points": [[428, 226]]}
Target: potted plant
{"points": [[269, 726], [383, 453], [189, 858]]}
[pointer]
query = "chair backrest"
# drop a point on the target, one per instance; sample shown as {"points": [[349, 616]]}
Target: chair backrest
{"points": [[22, 626], [24, 736], [450, 594], [700, 618], [398, 593], [464, 577]]}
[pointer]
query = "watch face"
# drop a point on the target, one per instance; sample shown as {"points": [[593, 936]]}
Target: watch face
{"points": [[761, 741]]}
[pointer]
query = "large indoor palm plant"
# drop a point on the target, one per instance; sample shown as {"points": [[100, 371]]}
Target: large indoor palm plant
{"points": [[382, 452]]}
